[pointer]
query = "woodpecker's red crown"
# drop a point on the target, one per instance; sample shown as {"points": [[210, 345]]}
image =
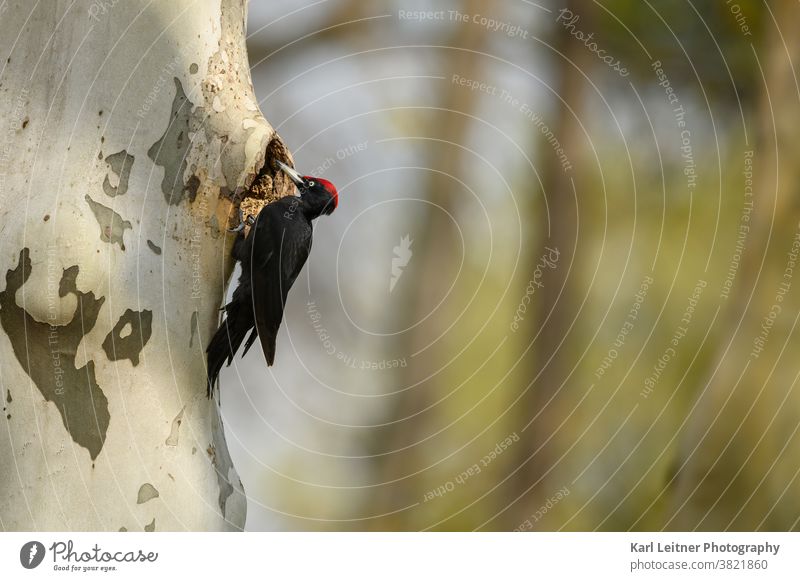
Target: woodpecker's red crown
{"points": [[329, 187], [317, 193]]}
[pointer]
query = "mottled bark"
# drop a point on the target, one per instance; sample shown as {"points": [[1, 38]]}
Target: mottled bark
{"points": [[130, 131]]}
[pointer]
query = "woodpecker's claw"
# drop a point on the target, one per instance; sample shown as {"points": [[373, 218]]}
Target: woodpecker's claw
{"points": [[240, 227]]}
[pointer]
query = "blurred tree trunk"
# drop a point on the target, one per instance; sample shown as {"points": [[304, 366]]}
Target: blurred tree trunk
{"points": [[436, 246], [552, 307], [130, 131], [268, 47], [744, 426]]}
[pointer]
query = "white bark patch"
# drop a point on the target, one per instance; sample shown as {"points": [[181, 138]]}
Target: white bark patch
{"points": [[126, 330]]}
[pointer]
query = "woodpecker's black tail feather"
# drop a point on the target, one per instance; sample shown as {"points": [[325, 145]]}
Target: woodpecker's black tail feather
{"points": [[226, 341]]}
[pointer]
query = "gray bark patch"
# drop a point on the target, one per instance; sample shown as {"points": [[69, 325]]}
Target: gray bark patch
{"points": [[151, 527], [121, 164], [193, 330], [152, 246], [215, 230], [112, 226], [47, 354], [171, 150], [147, 492], [192, 187], [221, 460], [129, 346], [172, 439], [225, 487]]}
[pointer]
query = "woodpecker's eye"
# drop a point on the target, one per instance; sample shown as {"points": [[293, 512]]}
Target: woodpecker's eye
{"points": [[311, 184]]}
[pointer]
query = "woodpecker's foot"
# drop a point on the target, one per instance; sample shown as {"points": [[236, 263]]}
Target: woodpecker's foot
{"points": [[242, 222], [240, 227], [249, 221]]}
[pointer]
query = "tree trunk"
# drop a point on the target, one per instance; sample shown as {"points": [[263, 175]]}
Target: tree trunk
{"points": [[412, 418], [549, 356], [130, 133]]}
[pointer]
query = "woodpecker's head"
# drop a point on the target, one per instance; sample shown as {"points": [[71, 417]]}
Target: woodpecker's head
{"points": [[318, 195]]}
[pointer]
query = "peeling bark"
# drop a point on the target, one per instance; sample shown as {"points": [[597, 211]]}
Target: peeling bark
{"points": [[120, 345], [47, 353], [121, 164]]}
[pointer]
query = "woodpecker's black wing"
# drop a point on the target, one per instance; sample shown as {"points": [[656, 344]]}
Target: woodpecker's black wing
{"points": [[239, 319], [280, 247]]}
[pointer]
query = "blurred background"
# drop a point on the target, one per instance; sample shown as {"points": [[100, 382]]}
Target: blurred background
{"points": [[560, 290]]}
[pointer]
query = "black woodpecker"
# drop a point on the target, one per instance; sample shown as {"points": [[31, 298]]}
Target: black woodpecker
{"points": [[271, 255]]}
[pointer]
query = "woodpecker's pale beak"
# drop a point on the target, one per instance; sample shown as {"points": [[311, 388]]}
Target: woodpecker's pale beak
{"points": [[293, 175]]}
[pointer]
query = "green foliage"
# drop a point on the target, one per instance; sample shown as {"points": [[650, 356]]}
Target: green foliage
{"points": [[708, 43]]}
